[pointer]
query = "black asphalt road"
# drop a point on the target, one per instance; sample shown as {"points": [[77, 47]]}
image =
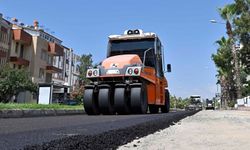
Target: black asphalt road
{"points": [[17, 133]]}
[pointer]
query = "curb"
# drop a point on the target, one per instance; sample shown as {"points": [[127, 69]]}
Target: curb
{"points": [[37, 113]]}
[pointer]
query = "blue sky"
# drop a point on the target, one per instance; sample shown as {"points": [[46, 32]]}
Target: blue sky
{"points": [[183, 26]]}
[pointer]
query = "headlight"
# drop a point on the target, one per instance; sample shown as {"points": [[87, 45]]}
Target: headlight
{"points": [[133, 71], [91, 73]]}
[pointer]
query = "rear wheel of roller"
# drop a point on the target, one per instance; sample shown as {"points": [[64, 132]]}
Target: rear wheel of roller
{"points": [[90, 102], [138, 99], [105, 100], [121, 101]]}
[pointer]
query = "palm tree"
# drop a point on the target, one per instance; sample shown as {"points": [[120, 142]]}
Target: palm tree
{"points": [[228, 13], [222, 60]]}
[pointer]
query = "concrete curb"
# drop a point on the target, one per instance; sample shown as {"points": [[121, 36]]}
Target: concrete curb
{"points": [[37, 113]]}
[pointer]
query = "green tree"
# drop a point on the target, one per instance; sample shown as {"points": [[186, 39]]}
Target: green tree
{"points": [[223, 61], [173, 101], [237, 17], [242, 32], [85, 62], [228, 13], [14, 81], [178, 102], [77, 94], [242, 29]]}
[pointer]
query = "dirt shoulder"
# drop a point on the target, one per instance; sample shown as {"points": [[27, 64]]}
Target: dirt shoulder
{"points": [[205, 130]]}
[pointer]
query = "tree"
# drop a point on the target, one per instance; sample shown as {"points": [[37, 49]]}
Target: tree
{"points": [[242, 31], [232, 65], [228, 13], [223, 61], [85, 62], [77, 94], [14, 81], [178, 102]]}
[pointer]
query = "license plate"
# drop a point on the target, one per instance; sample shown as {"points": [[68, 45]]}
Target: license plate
{"points": [[113, 72]]}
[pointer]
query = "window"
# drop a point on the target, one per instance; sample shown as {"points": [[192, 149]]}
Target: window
{"points": [[54, 61], [41, 73], [4, 35], [44, 55], [60, 76], [1, 36], [16, 48], [67, 61], [21, 51], [2, 61], [138, 47], [77, 68], [150, 58], [160, 72]]}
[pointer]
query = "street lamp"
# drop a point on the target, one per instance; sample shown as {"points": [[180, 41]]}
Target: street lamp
{"points": [[214, 21], [235, 56]]}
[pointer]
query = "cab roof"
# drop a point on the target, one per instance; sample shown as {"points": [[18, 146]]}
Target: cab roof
{"points": [[133, 34]]}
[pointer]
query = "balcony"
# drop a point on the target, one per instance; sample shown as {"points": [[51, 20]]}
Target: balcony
{"points": [[22, 36], [19, 61], [53, 69], [55, 49]]}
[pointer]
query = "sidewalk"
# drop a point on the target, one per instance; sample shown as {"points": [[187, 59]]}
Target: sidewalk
{"points": [[206, 130]]}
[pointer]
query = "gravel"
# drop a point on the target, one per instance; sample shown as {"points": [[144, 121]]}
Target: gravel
{"points": [[211, 130], [111, 139]]}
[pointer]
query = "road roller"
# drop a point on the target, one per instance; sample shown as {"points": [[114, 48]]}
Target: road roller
{"points": [[131, 80]]}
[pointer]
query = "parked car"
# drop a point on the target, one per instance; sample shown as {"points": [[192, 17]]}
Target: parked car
{"points": [[209, 104], [70, 102]]}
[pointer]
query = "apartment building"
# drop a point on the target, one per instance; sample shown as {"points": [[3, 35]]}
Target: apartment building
{"points": [[50, 64], [68, 80], [5, 40], [75, 72], [34, 50]]}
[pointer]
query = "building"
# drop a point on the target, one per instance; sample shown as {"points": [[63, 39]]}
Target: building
{"points": [[5, 40], [51, 65], [75, 71], [34, 50], [68, 80]]}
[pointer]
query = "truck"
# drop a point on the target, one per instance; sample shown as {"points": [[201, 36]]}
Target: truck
{"points": [[195, 103], [131, 79], [210, 104]]}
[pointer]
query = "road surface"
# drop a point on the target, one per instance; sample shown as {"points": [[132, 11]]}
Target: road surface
{"points": [[17, 133]]}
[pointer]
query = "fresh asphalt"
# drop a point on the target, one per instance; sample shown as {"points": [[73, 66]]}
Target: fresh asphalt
{"points": [[17, 133]]}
